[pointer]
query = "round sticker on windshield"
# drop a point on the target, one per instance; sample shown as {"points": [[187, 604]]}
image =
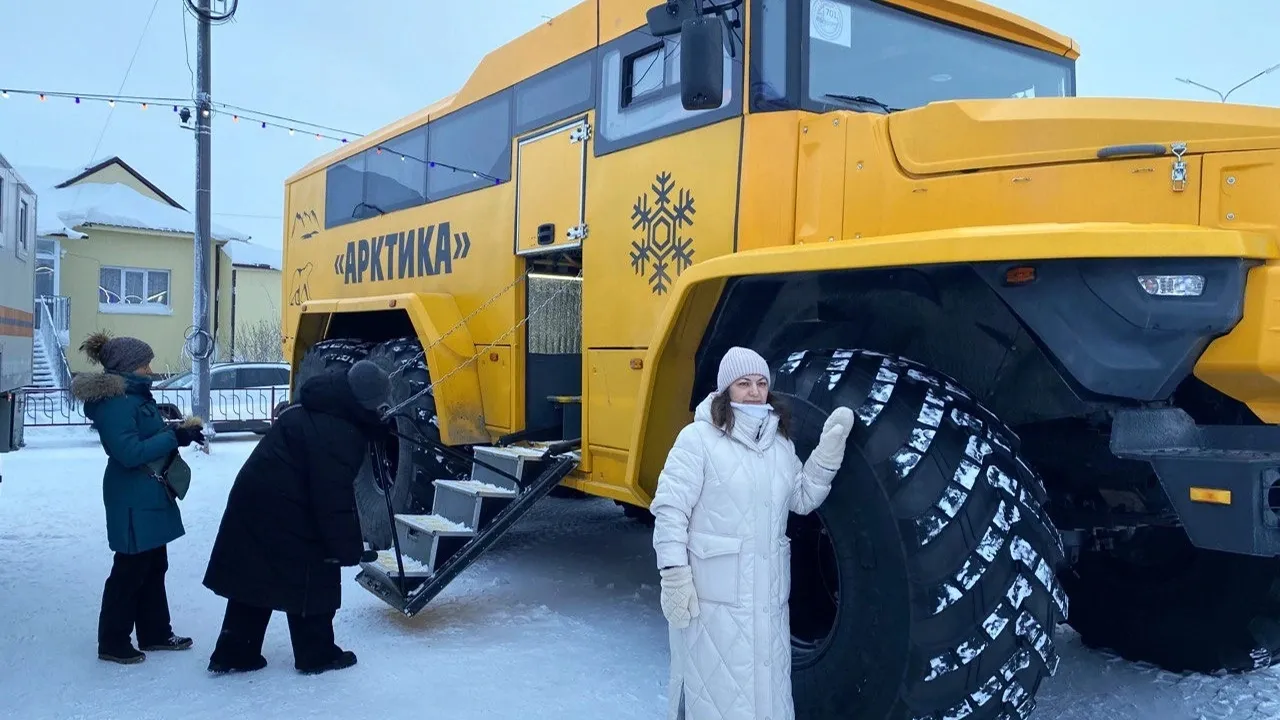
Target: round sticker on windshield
{"points": [[831, 22]]}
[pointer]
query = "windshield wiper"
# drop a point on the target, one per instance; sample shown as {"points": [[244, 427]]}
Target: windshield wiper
{"points": [[863, 99]]}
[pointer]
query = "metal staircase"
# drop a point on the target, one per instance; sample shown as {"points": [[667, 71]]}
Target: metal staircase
{"points": [[467, 518]]}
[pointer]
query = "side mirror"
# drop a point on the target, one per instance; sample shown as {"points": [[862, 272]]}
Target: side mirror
{"points": [[667, 17], [702, 63]]}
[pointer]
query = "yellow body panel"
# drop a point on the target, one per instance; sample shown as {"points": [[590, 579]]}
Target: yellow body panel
{"points": [[495, 370], [1245, 363], [550, 172], [613, 392], [970, 134], [686, 185], [664, 223], [767, 209], [449, 356], [668, 374]]}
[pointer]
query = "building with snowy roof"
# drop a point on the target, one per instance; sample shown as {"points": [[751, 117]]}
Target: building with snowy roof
{"points": [[115, 252]]}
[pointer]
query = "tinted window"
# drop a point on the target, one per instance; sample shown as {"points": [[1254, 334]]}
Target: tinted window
{"points": [[263, 377], [344, 191], [555, 94], [468, 145], [771, 51], [395, 174], [222, 380]]}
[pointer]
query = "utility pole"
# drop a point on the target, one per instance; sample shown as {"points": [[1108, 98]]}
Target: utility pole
{"points": [[199, 341], [1223, 96]]}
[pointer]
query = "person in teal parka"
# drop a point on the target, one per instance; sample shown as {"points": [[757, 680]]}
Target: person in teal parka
{"points": [[142, 519]]}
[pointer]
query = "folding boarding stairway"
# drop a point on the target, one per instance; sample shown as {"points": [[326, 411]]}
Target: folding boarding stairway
{"points": [[467, 517]]}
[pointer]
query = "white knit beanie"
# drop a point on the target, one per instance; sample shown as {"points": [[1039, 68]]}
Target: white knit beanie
{"points": [[739, 362]]}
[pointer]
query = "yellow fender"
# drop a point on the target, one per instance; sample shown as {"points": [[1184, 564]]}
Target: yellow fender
{"points": [[667, 379], [451, 361]]}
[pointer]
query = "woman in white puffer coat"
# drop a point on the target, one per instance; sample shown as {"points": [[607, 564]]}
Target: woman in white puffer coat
{"points": [[720, 537]]}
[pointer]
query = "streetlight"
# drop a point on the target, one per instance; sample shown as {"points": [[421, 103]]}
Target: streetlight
{"points": [[1271, 69]]}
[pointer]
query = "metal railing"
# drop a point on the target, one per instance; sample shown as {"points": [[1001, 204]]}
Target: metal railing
{"points": [[54, 348], [229, 410], [58, 311]]}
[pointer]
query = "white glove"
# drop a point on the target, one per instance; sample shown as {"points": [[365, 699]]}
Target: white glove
{"points": [[835, 431], [679, 601]]}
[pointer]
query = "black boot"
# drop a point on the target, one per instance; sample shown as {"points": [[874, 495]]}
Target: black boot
{"points": [[174, 642], [124, 655], [345, 659], [221, 667]]}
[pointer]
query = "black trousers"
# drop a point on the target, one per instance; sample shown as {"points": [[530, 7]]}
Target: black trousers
{"points": [[245, 626], [134, 597]]}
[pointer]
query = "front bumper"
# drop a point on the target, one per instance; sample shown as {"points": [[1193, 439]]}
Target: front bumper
{"points": [[1223, 480]]}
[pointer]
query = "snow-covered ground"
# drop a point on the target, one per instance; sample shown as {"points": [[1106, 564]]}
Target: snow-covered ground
{"points": [[560, 620]]}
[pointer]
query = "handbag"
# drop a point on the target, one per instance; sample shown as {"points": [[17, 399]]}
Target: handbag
{"points": [[173, 473]]}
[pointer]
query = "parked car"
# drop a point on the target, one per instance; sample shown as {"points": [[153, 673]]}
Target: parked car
{"points": [[242, 395]]}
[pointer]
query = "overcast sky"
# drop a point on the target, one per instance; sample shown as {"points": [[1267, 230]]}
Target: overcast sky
{"points": [[359, 65]]}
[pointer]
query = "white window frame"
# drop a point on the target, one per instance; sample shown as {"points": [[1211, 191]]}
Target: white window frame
{"points": [[25, 224], [146, 306], [56, 257]]}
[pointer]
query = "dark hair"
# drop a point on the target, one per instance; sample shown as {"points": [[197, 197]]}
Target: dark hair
{"points": [[722, 413]]}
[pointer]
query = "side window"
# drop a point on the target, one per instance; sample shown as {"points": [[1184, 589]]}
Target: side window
{"points": [[262, 377], [772, 86], [555, 94], [222, 379], [639, 97], [470, 148], [395, 175], [344, 192]]}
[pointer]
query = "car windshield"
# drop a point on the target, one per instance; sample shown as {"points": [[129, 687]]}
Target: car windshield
{"points": [[893, 59]]}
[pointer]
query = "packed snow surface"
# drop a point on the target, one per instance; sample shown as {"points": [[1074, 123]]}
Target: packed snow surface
{"points": [[559, 621]]}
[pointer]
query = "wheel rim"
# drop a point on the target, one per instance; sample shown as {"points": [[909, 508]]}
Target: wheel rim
{"points": [[815, 587]]}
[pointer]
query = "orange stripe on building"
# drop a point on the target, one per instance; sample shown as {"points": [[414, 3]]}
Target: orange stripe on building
{"points": [[16, 323]]}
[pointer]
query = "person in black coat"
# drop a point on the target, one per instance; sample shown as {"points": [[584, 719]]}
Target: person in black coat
{"points": [[291, 523]]}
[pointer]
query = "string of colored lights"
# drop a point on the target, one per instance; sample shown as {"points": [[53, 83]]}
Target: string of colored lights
{"points": [[237, 113], [265, 120]]}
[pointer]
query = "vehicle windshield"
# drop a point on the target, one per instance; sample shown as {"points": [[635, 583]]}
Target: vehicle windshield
{"points": [[891, 58]]}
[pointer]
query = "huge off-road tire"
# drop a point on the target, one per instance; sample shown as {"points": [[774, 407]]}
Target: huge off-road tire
{"points": [[337, 354], [924, 586], [1156, 598], [412, 467]]}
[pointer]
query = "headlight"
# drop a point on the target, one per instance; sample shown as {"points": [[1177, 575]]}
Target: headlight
{"points": [[1172, 285]]}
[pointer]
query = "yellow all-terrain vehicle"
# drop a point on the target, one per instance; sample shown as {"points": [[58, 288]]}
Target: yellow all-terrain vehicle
{"points": [[1055, 317]]}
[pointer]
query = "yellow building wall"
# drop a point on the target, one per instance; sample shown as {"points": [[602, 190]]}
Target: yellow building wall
{"points": [[224, 302], [119, 248], [117, 174], [257, 298]]}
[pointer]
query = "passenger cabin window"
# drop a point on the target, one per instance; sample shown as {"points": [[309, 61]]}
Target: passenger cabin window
{"points": [[464, 151], [640, 89], [471, 148], [344, 192], [395, 174], [555, 94]]}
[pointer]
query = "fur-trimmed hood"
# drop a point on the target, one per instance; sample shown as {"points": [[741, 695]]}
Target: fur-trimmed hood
{"points": [[96, 387]]}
